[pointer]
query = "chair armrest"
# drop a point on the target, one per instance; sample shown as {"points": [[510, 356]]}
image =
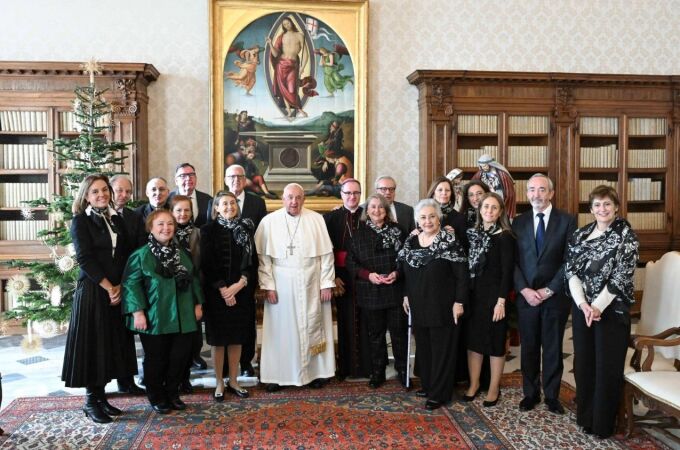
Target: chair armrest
{"points": [[649, 342]]}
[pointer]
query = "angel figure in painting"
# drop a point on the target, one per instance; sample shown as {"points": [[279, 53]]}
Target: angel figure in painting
{"points": [[250, 58], [499, 180], [288, 57], [330, 61]]}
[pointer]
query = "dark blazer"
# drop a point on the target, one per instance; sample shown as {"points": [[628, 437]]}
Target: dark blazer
{"points": [[405, 217], [93, 246], [204, 202], [145, 209], [253, 208], [546, 269], [135, 227]]}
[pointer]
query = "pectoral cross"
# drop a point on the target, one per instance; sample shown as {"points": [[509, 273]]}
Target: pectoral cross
{"points": [[290, 248]]}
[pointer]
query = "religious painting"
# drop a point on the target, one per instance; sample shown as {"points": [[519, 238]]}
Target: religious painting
{"points": [[288, 97]]}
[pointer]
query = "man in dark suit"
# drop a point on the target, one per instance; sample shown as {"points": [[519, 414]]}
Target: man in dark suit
{"points": [[157, 193], [254, 208], [542, 305], [185, 180], [134, 225], [387, 186]]}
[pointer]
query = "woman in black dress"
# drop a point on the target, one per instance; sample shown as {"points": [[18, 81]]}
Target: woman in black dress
{"points": [[492, 263], [601, 260], [472, 197], [441, 190], [227, 252], [436, 274], [188, 236], [372, 264], [98, 348]]}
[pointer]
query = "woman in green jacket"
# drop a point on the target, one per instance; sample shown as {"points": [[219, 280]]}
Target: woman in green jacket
{"points": [[162, 300]]}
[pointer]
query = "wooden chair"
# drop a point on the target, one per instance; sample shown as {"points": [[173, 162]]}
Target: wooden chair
{"points": [[659, 390]]}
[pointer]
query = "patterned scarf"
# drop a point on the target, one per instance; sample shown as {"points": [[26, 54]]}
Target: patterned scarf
{"points": [[471, 216], [183, 233], [242, 230], [169, 262], [608, 260], [480, 242], [390, 235], [105, 214], [446, 208], [444, 246]]}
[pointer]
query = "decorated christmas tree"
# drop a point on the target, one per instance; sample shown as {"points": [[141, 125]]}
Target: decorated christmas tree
{"points": [[49, 302]]}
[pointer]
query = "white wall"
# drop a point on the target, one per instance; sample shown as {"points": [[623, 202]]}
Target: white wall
{"points": [[606, 36]]}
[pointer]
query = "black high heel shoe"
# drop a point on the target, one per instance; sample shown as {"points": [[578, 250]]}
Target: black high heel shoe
{"points": [[469, 398], [488, 404], [239, 392]]}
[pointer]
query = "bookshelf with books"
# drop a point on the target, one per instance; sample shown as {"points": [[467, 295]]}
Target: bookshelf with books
{"points": [[35, 107], [583, 130]]}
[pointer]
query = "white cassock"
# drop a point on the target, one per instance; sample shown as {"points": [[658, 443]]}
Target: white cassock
{"points": [[297, 332]]}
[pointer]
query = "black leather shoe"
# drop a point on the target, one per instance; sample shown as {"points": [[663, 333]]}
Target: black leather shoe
{"points": [[469, 398], [489, 404], [130, 388], [318, 383], [433, 404], [421, 393], [528, 403], [218, 397], [273, 387], [239, 392], [554, 406], [247, 370], [185, 387], [376, 381], [177, 404], [199, 363], [161, 408]]}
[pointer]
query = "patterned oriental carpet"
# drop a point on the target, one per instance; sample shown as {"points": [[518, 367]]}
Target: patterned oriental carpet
{"points": [[342, 415]]}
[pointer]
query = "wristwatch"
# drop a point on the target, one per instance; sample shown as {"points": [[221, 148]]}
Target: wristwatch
{"points": [[548, 292]]}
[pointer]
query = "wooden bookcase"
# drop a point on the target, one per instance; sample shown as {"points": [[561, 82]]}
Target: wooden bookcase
{"points": [[35, 105], [580, 129]]}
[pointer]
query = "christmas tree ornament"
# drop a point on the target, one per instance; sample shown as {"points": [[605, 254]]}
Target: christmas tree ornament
{"points": [[55, 296], [18, 285], [27, 213], [66, 263]]}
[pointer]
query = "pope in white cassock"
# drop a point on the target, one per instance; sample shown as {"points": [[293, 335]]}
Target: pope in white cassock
{"points": [[297, 272]]}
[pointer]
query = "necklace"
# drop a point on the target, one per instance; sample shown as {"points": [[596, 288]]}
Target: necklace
{"points": [[290, 245]]}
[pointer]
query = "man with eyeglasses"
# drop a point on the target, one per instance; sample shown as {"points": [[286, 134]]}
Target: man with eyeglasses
{"points": [[387, 186], [185, 180], [353, 357], [157, 192]]}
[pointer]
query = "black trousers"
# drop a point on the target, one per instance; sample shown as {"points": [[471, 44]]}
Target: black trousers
{"points": [[165, 359], [436, 355], [378, 321], [542, 327], [248, 346], [599, 359]]}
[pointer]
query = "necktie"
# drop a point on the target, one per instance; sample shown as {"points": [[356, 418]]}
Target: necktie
{"points": [[540, 233]]}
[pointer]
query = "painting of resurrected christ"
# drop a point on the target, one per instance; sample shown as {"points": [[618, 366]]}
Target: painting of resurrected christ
{"points": [[288, 94]]}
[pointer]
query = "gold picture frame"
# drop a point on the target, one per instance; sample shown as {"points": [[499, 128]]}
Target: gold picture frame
{"points": [[263, 114]]}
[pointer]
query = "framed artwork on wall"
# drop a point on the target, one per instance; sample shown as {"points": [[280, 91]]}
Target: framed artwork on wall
{"points": [[288, 95]]}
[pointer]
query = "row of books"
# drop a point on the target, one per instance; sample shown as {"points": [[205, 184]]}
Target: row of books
{"points": [[477, 124], [605, 156], [638, 220], [23, 156], [599, 126], [643, 189], [538, 125], [521, 191], [68, 121], [467, 157], [648, 158], [585, 187], [527, 155], [23, 121], [12, 194], [646, 126], [21, 230]]}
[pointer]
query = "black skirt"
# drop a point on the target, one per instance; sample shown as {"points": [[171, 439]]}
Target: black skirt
{"points": [[228, 325], [98, 346]]}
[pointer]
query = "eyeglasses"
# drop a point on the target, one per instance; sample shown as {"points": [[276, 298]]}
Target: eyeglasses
{"points": [[386, 189], [235, 177], [353, 193], [186, 175], [160, 189]]}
